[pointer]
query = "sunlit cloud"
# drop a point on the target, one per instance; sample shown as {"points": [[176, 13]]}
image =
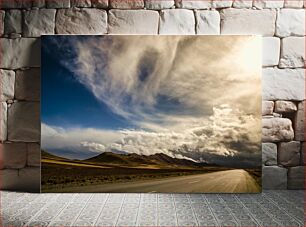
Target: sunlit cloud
{"points": [[138, 77]]}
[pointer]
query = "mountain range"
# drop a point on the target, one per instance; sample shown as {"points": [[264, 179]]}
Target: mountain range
{"points": [[109, 158]]}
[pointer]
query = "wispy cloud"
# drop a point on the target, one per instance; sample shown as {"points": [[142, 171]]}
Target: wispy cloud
{"points": [[133, 75], [56, 137]]}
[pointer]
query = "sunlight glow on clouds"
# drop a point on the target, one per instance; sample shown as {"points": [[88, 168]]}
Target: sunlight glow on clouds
{"points": [[196, 97], [131, 73]]}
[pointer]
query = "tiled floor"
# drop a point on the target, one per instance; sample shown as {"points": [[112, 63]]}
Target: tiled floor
{"points": [[271, 208]]}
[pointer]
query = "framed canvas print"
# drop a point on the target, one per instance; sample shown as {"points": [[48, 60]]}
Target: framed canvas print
{"points": [[135, 113]]}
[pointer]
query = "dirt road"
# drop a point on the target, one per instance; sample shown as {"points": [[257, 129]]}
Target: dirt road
{"points": [[229, 181]]}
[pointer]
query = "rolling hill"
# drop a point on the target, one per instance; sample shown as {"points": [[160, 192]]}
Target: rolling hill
{"points": [[135, 159], [47, 155], [129, 160]]}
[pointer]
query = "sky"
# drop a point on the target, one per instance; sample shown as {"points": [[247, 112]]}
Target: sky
{"points": [[193, 97]]}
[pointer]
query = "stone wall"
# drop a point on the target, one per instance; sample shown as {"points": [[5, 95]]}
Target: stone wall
{"points": [[281, 22]]}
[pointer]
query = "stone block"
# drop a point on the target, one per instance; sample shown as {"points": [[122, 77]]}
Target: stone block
{"points": [[290, 22], [13, 155], [276, 115], [193, 4], [221, 3], [33, 158], [296, 176], [7, 84], [38, 3], [267, 108], [293, 4], [178, 21], [293, 52], [81, 21], [39, 22], [289, 153], [283, 84], [274, 177], [242, 4], [25, 180], [2, 15], [126, 4], [20, 53], [28, 84], [261, 4], [80, 3], [3, 121], [277, 129], [24, 122], [299, 122], [271, 51], [269, 154], [133, 22], [13, 21], [15, 4], [56, 4], [285, 106], [159, 4], [248, 21], [208, 22], [99, 3]]}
